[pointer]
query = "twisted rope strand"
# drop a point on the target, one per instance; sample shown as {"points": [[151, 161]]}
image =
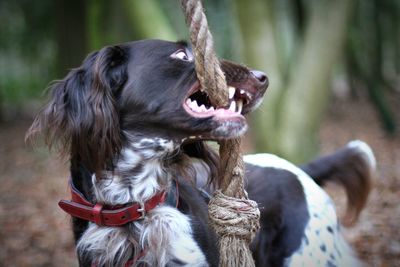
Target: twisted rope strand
{"points": [[233, 216], [210, 75]]}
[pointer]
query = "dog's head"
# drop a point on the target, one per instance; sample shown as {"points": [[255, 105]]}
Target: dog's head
{"points": [[146, 88]]}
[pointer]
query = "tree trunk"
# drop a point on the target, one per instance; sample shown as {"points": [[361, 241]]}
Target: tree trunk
{"points": [[70, 34], [261, 52], [149, 20], [95, 24], [308, 89], [288, 120]]}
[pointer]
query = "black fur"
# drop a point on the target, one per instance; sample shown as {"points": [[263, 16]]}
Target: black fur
{"points": [[137, 89], [284, 213]]}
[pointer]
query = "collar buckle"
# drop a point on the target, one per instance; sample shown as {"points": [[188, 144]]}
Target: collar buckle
{"points": [[142, 211]]}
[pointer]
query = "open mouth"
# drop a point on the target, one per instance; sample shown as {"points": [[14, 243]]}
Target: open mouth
{"points": [[198, 104]]}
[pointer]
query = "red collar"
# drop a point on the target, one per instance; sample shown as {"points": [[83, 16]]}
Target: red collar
{"points": [[81, 208]]}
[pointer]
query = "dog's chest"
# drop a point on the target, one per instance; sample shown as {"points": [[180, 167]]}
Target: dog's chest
{"points": [[165, 234]]}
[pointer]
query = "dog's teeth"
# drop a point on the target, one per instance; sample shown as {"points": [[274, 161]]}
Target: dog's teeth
{"points": [[188, 101], [232, 107], [211, 109], [203, 108], [242, 92], [232, 91], [239, 104], [193, 105]]}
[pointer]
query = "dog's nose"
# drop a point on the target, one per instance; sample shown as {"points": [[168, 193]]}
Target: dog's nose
{"points": [[260, 76]]}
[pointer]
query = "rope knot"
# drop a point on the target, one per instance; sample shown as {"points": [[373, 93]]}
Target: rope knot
{"points": [[233, 216]]}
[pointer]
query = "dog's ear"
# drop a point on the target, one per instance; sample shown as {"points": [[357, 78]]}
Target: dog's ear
{"points": [[81, 116]]}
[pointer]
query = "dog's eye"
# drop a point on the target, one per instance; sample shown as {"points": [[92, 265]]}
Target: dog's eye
{"points": [[181, 54]]}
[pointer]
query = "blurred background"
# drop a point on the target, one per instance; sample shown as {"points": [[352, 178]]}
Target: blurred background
{"points": [[334, 71]]}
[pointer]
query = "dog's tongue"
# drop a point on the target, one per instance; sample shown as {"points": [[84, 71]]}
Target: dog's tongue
{"points": [[224, 112], [229, 112]]}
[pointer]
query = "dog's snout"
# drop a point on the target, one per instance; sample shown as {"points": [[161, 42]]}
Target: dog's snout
{"points": [[260, 76]]}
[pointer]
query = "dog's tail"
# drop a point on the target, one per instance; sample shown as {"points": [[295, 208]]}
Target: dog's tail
{"points": [[351, 167]]}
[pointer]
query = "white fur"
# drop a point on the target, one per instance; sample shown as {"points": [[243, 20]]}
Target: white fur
{"points": [[106, 244], [165, 233], [231, 129], [131, 157], [366, 151], [322, 215]]}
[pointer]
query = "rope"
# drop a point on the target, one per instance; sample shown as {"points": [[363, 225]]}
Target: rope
{"points": [[209, 73], [236, 222], [233, 216]]}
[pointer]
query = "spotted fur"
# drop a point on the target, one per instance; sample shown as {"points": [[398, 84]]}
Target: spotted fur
{"points": [[322, 243], [133, 119]]}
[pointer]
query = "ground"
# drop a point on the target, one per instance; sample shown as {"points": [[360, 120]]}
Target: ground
{"points": [[377, 234], [35, 232]]}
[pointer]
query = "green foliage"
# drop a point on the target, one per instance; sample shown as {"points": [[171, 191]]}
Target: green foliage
{"points": [[298, 43], [39, 41], [26, 49], [26, 25], [372, 53]]}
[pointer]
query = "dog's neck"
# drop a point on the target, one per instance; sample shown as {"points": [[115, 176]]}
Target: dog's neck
{"points": [[141, 171]]}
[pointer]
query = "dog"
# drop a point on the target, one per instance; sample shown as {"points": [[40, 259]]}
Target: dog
{"points": [[133, 121]]}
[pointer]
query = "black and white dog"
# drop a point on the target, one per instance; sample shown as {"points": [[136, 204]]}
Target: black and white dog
{"points": [[133, 121]]}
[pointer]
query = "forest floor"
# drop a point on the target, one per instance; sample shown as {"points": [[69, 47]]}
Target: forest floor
{"points": [[35, 232]]}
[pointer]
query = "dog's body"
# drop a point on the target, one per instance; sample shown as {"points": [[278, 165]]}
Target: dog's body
{"points": [[299, 223], [133, 120]]}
